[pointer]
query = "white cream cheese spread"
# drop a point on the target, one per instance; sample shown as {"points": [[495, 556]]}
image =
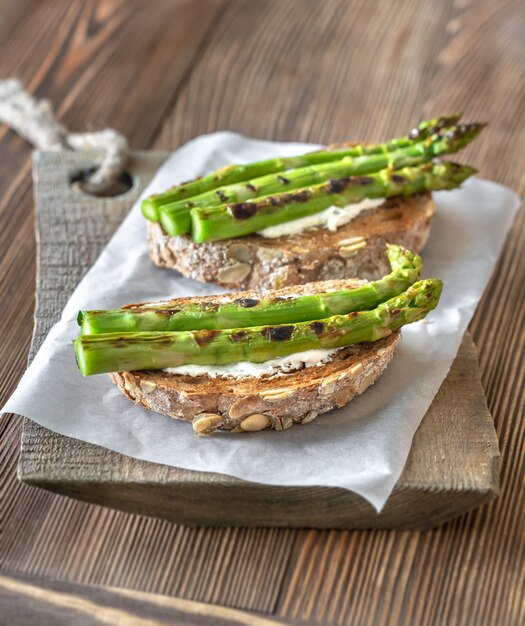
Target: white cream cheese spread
{"points": [[244, 369], [331, 218]]}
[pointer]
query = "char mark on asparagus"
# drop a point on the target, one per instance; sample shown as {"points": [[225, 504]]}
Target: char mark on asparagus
{"points": [[242, 210], [278, 333], [238, 336], [317, 327], [247, 303], [203, 337]]}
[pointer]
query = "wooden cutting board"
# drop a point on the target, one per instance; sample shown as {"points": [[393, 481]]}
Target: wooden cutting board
{"points": [[452, 466]]}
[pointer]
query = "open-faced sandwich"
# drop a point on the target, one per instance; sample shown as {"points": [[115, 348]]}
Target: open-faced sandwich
{"points": [[318, 216], [247, 361]]}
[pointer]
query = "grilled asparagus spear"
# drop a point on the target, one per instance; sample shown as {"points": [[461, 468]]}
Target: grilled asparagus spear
{"points": [[113, 352], [232, 174], [175, 217], [236, 220], [242, 312]]}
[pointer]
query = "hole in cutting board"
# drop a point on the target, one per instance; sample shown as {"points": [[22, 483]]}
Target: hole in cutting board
{"points": [[123, 184]]}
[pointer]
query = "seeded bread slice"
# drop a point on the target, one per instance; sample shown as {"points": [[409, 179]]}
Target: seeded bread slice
{"points": [[255, 262], [255, 403], [252, 404]]}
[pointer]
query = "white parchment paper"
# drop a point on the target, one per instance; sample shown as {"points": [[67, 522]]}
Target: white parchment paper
{"points": [[362, 447]]}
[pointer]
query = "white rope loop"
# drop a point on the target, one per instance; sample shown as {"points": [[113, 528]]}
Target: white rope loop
{"points": [[35, 121]]}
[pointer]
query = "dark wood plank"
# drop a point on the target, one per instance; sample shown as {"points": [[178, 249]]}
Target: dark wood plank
{"points": [[304, 70]]}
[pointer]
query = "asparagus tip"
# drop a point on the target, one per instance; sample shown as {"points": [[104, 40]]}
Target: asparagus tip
{"points": [[428, 293], [401, 258], [464, 171], [466, 132], [429, 127]]}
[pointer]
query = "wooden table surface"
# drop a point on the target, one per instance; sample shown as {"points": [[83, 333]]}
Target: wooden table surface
{"points": [[162, 72]]}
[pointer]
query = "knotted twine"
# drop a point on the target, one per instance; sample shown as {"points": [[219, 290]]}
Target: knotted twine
{"points": [[35, 121]]}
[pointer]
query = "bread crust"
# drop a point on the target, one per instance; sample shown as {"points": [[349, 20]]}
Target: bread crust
{"points": [[248, 404], [255, 262], [291, 290]]}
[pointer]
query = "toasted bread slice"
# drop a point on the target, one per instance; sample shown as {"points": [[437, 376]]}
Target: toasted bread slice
{"points": [[255, 403], [250, 404], [255, 262]]}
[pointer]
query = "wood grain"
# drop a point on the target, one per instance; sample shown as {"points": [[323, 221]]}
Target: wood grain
{"points": [[317, 66], [26, 599], [267, 69]]}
